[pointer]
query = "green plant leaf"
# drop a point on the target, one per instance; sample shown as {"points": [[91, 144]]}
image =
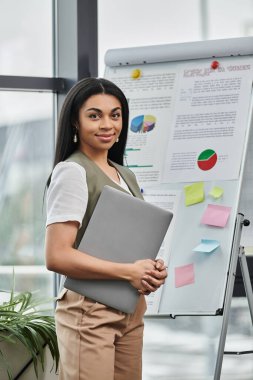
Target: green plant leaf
{"points": [[24, 318]]}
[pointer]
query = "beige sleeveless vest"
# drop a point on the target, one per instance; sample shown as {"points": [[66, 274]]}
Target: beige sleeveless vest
{"points": [[96, 180]]}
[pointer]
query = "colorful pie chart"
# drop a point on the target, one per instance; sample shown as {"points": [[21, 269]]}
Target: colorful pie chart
{"points": [[143, 123], [207, 159]]}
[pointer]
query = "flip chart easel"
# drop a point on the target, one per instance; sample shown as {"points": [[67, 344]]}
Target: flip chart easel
{"points": [[152, 63], [237, 254]]}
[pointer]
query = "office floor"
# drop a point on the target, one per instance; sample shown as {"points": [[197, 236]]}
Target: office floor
{"points": [[186, 348]]}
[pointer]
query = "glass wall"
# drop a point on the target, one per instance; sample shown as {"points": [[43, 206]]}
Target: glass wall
{"points": [[147, 22], [26, 44], [229, 19], [26, 143]]}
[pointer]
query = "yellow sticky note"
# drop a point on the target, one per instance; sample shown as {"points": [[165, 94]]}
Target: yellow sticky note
{"points": [[216, 192], [136, 73], [194, 193]]}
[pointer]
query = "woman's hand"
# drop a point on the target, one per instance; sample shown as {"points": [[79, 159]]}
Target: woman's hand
{"points": [[148, 275], [153, 279], [139, 269]]}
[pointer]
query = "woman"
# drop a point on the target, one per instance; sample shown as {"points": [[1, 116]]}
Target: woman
{"points": [[95, 342]]}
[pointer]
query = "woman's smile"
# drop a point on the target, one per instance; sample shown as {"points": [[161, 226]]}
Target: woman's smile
{"points": [[105, 137]]}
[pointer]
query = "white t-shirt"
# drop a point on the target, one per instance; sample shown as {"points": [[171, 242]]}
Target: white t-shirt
{"points": [[67, 194]]}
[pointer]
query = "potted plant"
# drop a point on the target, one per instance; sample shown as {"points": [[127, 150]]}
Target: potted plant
{"points": [[24, 324]]}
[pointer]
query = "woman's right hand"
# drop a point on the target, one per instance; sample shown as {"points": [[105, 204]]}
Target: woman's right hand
{"points": [[139, 269], [143, 270], [147, 277]]}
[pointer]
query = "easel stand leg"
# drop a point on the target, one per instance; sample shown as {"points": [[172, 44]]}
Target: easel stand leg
{"points": [[237, 254], [229, 294], [246, 281]]}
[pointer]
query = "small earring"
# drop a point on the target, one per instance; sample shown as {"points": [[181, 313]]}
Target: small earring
{"points": [[75, 138], [117, 139]]}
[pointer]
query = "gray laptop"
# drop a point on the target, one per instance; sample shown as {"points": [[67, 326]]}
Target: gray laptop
{"points": [[122, 229]]}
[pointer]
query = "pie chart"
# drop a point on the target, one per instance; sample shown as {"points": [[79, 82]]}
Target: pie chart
{"points": [[207, 159], [143, 123]]}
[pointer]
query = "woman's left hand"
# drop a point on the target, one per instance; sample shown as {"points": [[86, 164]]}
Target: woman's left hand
{"points": [[154, 278]]}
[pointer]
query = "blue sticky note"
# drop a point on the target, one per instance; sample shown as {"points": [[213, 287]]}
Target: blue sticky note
{"points": [[207, 246]]}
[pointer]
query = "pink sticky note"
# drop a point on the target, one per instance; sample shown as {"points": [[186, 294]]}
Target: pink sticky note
{"points": [[216, 215], [184, 275]]}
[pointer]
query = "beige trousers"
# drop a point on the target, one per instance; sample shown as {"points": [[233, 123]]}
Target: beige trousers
{"points": [[97, 342]]}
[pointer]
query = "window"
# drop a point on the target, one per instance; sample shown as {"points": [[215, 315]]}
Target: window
{"points": [[145, 22], [32, 87], [26, 43], [26, 151], [26, 140]]}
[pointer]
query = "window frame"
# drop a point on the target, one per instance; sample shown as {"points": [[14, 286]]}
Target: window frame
{"points": [[75, 49], [75, 56]]}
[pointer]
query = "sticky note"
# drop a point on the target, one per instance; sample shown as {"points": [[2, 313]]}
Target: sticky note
{"points": [[216, 215], [194, 193], [207, 246], [136, 73], [184, 275], [216, 192]]}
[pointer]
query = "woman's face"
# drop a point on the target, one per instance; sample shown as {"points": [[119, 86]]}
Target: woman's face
{"points": [[100, 123]]}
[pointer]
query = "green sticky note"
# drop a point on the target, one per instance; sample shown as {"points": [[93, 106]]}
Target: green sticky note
{"points": [[194, 193], [216, 192]]}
